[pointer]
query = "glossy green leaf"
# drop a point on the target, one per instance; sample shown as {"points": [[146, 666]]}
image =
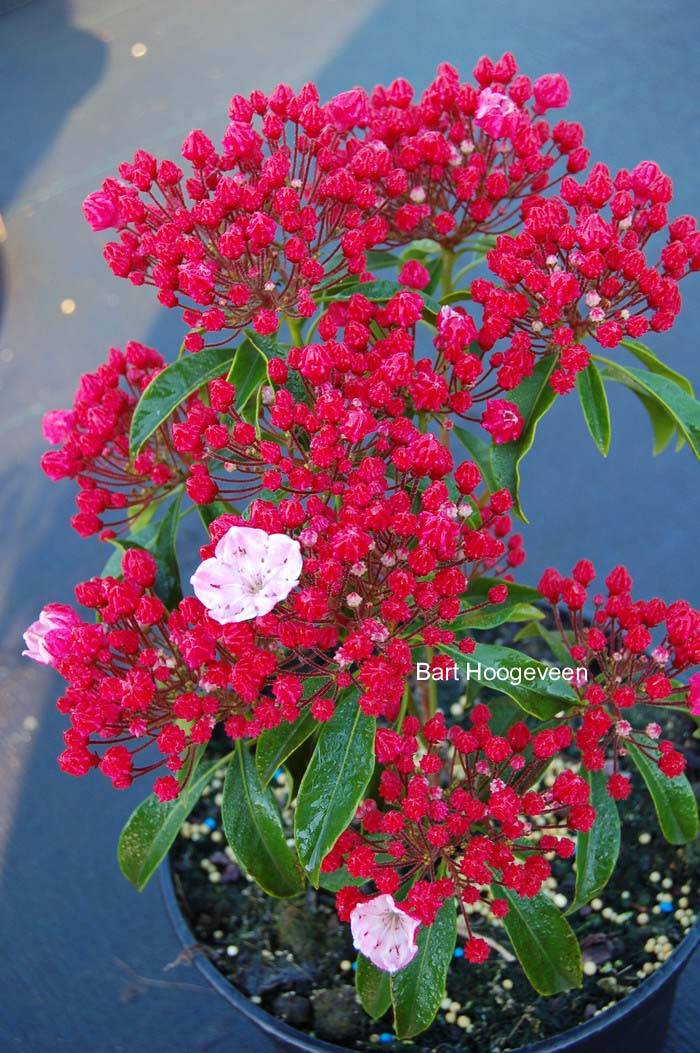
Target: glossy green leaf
{"points": [[154, 825], [418, 990], [518, 606], [674, 800], [679, 405], [276, 744], [456, 296], [533, 397], [515, 674], [662, 423], [334, 783], [171, 387], [254, 831], [481, 245], [144, 518], [594, 403], [654, 364], [480, 453], [544, 943], [597, 849], [248, 373], [421, 248], [382, 261], [338, 879], [434, 268], [373, 987], [552, 639], [208, 513], [379, 292]]}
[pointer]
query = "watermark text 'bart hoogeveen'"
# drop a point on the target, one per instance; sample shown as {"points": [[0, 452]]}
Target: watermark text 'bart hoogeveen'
{"points": [[515, 675]]}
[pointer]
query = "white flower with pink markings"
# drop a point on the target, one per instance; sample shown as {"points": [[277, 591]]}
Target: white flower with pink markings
{"points": [[384, 933], [250, 572]]}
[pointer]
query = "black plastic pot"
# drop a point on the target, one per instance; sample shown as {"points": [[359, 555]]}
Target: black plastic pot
{"points": [[638, 1024]]}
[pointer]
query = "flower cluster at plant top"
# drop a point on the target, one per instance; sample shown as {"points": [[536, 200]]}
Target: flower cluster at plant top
{"points": [[471, 837], [286, 212], [346, 538]]}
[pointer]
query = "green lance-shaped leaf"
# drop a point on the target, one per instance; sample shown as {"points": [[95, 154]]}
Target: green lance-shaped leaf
{"points": [[533, 397], [654, 364], [373, 987], [674, 800], [594, 403], [253, 828], [208, 513], [154, 825], [668, 395], [380, 291], [597, 849], [276, 744], [334, 783], [552, 639], [544, 943], [171, 387], [517, 607], [159, 539], [418, 990], [662, 423], [382, 260], [249, 371], [529, 683]]}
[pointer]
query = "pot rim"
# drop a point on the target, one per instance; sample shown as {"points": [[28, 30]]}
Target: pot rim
{"points": [[278, 1029]]}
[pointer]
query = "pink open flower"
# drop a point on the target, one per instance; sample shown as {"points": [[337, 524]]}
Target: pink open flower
{"points": [[384, 933], [47, 638], [496, 113], [250, 572]]}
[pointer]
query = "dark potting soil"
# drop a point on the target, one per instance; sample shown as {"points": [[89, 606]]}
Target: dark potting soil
{"points": [[296, 959]]}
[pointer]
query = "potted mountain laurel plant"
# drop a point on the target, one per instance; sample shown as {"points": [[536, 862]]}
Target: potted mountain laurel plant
{"points": [[383, 295]]}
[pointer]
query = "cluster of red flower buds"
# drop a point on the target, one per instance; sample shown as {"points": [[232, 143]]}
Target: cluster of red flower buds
{"points": [[627, 667], [460, 814], [94, 445], [351, 396], [379, 578], [580, 267], [466, 156], [280, 211]]}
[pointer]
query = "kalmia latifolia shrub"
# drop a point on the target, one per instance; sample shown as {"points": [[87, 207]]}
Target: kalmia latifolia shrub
{"points": [[383, 294]]}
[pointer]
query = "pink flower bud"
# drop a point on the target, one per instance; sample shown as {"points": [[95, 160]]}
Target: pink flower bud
{"points": [[48, 637], [101, 211], [551, 92], [57, 425]]}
